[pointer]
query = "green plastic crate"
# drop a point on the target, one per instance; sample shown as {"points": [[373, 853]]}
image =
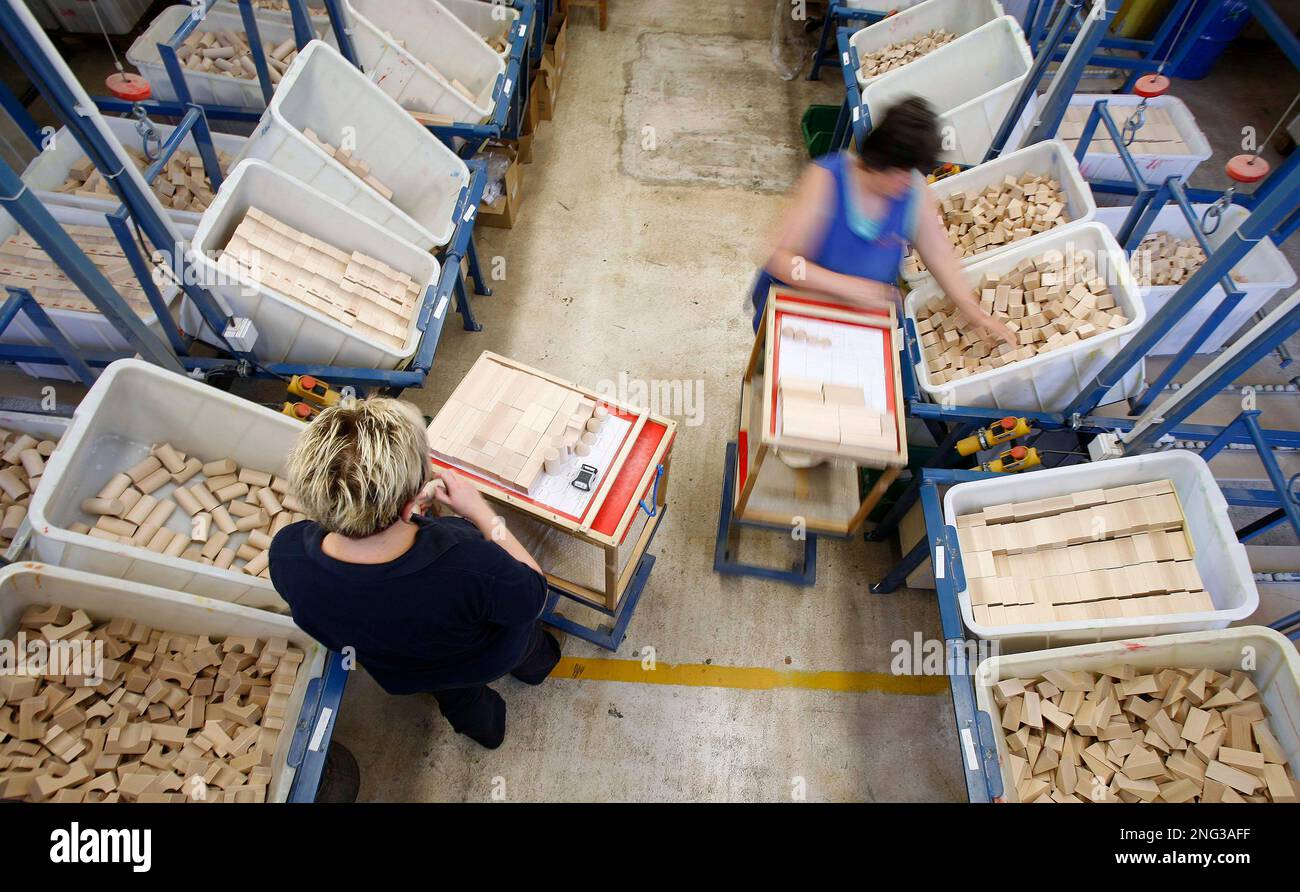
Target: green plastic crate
{"points": [[818, 127]]}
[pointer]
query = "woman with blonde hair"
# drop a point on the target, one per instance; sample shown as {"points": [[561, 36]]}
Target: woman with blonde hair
{"points": [[443, 605]]}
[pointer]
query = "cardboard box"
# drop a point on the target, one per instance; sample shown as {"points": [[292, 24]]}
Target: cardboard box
{"points": [[502, 213], [556, 50], [547, 88]]}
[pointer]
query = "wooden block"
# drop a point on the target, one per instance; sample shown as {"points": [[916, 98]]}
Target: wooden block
{"points": [[1239, 780]]}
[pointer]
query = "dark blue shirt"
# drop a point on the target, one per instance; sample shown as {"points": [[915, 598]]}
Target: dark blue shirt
{"points": [[455, 610]]}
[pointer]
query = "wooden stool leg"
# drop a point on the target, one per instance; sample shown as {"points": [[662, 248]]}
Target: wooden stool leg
{"points": [[604, 14]]}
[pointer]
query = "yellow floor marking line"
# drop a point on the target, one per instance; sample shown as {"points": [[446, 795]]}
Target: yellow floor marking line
{"points": [[757, 678]]}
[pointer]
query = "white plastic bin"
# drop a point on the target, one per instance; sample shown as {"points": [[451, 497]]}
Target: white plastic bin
{"points": [[1262, 274], [971, 83], [1048, 157], [323, 92], [50, 169], [881, 6], [27, 584], [485, 18], [42, 427], [1220, 558], [118, 16], [289, 331], [438, 48], [206, 88], [133, 405], [1155, 169], [1049, 381], [1276, 674], [958, 17], [89, 330]]}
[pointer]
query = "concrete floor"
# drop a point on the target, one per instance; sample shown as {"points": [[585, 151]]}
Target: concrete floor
{"points": [[635, 259], [634, 263]]}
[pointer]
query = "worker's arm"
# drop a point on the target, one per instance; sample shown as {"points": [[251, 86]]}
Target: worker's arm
{"points": [[460, 495], [802, 229], [941, 260]]}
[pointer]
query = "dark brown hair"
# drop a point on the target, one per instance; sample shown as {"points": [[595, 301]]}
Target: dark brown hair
{"points": [[907, 137]]}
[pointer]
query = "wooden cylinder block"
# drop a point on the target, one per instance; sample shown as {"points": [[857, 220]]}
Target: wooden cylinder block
{"points": [[143, 469], [113, 507], [221, 517], [115, 487], [220, 468], [13, 518], [170, 458]]}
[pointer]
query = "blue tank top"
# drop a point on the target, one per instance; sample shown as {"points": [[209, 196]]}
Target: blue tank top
{"points": [[855, 244]]}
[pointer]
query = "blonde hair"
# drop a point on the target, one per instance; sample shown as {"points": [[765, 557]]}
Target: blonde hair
{"points": [[358, 464]]}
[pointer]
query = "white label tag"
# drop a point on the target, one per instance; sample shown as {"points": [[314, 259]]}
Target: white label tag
{"points": [[322, 723], [939, 563], [846, 58], [441, 308], [968, 749], [509, 86], [857, 113], [470, 212], [523, 29]]}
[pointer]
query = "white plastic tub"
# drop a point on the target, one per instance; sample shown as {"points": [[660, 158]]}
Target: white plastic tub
{"points": [[958, 17], [881, 6], [1155, 169], [27, 584], [323, 92], [1049, 381], [42, 427], [132, 406], [1220, 558], [438, 48], [1048, 157], [1262, 274], [205, 87], [50, 169], [971, 83], [88, 330], [1276, 674], [289, 331], [77, 16], [485, 18]]}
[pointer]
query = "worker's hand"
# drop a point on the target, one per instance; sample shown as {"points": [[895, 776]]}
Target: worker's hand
{"points": [[460, 495], [992, 330], [868, 294], [423, 501]]}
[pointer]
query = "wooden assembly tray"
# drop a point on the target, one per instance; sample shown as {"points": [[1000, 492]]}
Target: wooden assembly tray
{"points": [[622, 483], [824, 496]]}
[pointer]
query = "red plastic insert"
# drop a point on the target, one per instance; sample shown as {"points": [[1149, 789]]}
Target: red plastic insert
{"points": [[1247, 168], [130, 87], [1151, 85]]}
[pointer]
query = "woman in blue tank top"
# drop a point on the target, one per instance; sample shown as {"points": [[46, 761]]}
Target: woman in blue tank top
{"points": [[855, 214]]}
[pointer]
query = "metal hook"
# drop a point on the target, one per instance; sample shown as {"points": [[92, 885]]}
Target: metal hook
{"points": [[148, 133], [1215, 212], [1135, 122]]}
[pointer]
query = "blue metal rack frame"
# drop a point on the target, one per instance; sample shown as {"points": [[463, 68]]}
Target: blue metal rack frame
{"points": [[137, 215], [608, 636], [835, 14], [314, 728], [804, 570], [975, 730]]}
